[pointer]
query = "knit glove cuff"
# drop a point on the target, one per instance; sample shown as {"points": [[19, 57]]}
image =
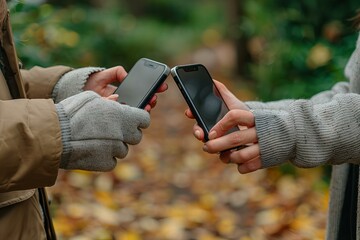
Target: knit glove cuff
{"points": [[72, 83]]}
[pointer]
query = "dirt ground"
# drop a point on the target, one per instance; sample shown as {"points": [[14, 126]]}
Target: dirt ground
{"points": [[167, 188]]}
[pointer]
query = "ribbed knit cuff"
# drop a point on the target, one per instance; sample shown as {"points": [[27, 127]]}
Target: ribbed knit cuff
{"points": [[65, 135], [274, 105], [275, 137], [72, 83]]}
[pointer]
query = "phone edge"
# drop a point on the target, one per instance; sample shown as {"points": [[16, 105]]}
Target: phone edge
{"points": [[188, 100]]}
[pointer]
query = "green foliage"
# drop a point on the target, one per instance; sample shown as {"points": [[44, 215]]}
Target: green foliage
{"points": [[304, 45], [297, 47], [107, 34]]}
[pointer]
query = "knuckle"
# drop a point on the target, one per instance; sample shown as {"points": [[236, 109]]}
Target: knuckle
{"points": [[121, 68], [210, 148], [241, 169], [236, 138], [122, 151], [240, 156], [232, 114], [138, 138], [252, 166]]}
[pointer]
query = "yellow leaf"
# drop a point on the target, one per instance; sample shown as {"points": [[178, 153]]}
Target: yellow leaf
{"points": [[79, 179], [318, 56], [104, 182], [268, 217], [226, 227], [105, 198], [63, 226], [172, 229], [198, 214], [208, 200], [127, 171], [129, 235]]}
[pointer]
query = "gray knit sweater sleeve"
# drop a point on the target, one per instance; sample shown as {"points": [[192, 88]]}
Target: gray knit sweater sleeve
{"points": [[309, 134], [322, 97]]}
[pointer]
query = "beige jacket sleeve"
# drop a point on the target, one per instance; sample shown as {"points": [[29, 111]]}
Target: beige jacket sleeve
{"points": [[30, 144], [30, 133], [39, 82]]}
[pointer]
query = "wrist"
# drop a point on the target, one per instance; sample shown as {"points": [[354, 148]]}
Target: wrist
{"points": [[65, 134], [275, 137], [72, 83]]}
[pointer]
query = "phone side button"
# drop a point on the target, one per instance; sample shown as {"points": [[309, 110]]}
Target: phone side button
{"points": [[179, 86]]}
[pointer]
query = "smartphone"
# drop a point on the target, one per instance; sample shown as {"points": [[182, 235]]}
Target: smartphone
{"points": [[141, 83], [201, 95]]}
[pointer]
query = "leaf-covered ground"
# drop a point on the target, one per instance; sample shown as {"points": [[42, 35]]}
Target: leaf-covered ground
{"points": [[167, 188]]}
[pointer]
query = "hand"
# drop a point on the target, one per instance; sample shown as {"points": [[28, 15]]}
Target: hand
{"points": [[90, 140], [248, 158], [231, 101], [100, 82]]}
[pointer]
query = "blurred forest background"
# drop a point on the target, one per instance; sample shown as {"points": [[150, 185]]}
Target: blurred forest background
{"points": [[167, 188]]}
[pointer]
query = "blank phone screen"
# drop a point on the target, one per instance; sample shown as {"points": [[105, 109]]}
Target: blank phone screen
{"points": [[139, 82], [204, 95]]}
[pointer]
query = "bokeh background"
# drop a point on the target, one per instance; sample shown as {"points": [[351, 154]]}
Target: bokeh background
{"points": [[167, 188]]}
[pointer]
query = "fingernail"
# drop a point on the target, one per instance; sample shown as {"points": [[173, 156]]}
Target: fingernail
{"points": [[212, 135], [197, 134], [227, 161], [205, 148]]}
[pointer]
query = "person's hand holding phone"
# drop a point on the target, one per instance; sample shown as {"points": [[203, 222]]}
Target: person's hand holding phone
{"points": [[144, 80], [152, 103], [231, 101], [101, 83], [247, 159]]}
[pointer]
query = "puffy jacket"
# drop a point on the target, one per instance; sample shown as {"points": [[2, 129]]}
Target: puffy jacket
{"points": [[30, 142]]}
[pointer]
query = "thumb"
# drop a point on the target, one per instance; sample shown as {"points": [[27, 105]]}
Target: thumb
{"points": [[233, 118], [230, 99], [114, 74], [112, 97]]}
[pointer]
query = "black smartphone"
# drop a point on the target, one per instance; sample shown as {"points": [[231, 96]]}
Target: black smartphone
{"points": [[201, 95], [141, 83]]}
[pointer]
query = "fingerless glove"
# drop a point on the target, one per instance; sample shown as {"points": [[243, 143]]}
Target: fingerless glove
{"points": [[72, 83]]}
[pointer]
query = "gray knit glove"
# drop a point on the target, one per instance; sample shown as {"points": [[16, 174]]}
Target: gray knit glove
{"points": [[95, 130], [72, 83]]}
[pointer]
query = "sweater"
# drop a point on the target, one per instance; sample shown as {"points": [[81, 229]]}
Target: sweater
{"points": [[322, 130]]}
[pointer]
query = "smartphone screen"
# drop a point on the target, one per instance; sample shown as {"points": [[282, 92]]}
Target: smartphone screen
{"points": [[141, 83], [201, 94]]}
